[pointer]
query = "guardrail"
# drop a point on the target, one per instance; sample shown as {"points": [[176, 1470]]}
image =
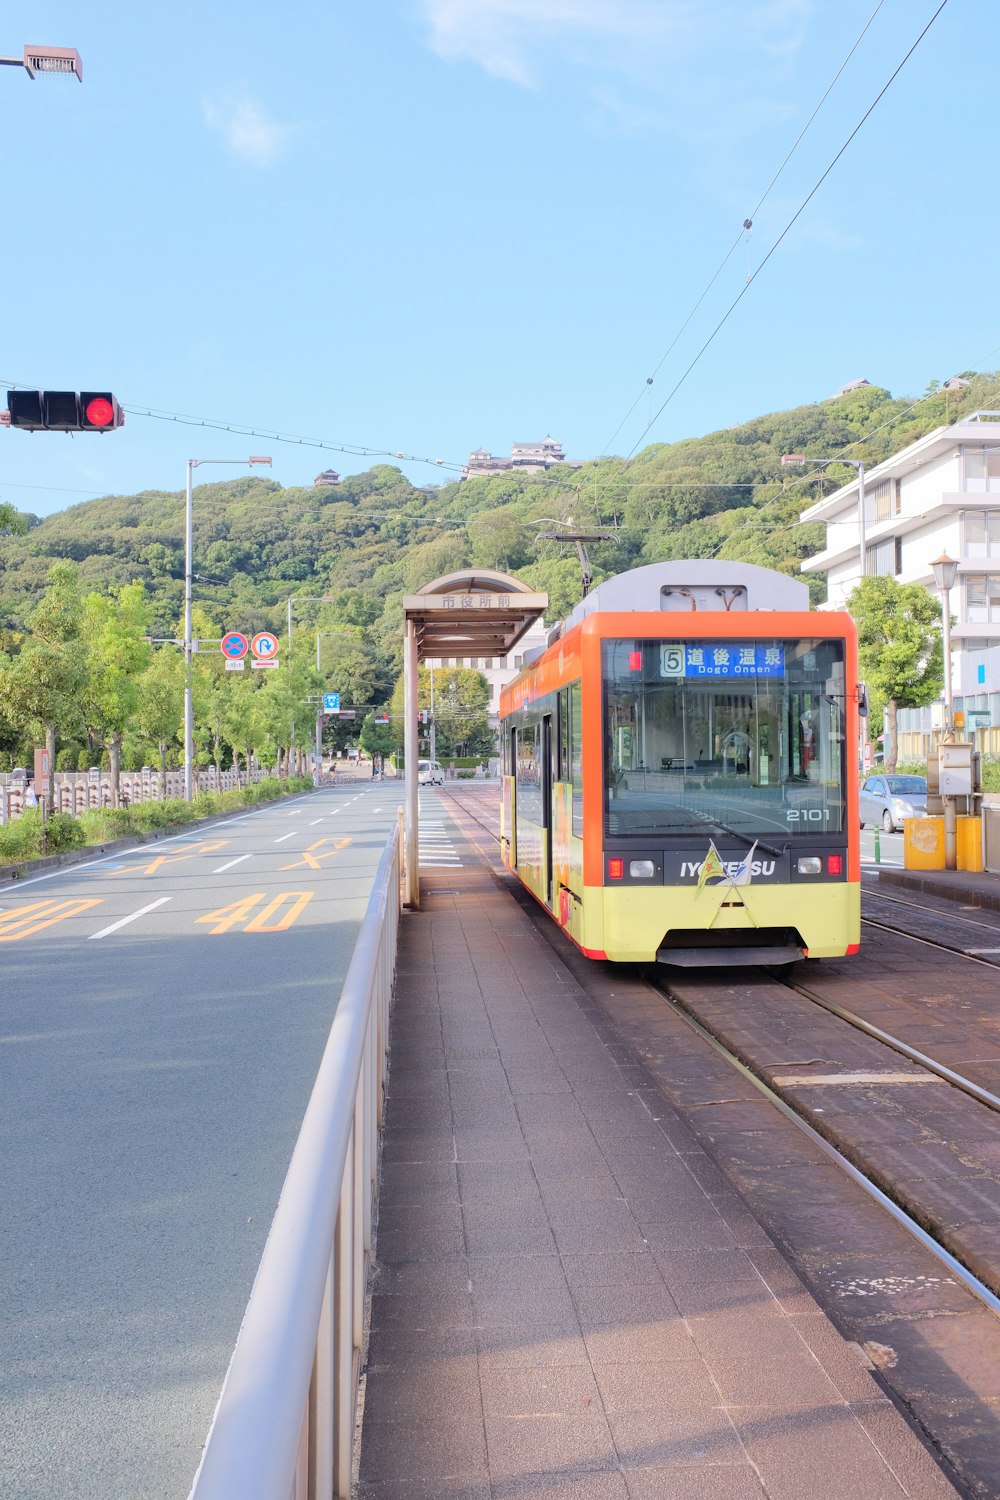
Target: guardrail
{"points": [[284, 1425]]}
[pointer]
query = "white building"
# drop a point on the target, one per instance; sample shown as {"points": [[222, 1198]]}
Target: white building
{"points": [[941, 494], [498, 670]]}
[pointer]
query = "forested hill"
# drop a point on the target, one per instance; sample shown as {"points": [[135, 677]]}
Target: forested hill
{"points": [[374, 537]]}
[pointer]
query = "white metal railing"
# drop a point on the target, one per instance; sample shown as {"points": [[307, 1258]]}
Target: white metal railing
{"points": [[284, 1425]]}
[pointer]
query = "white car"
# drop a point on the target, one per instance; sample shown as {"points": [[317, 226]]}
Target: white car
{"points": [[429, 773]]}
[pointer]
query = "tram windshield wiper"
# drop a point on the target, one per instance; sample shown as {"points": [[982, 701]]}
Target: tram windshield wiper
{"points": [[735, 833]]}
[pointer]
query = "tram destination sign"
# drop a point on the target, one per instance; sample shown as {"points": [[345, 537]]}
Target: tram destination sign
{"points": [[722, 659]]}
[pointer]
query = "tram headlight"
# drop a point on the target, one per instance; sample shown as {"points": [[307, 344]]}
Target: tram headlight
{"points": [[809, 864], [642, 869]]}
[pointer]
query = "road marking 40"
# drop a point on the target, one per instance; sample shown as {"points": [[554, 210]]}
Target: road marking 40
{"points": [[244, 913]]}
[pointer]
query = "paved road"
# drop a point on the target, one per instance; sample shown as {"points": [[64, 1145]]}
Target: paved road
{"points": [[162, 1016]]}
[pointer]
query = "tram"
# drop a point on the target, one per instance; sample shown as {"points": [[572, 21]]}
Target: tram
{"points": [[679, 770]]}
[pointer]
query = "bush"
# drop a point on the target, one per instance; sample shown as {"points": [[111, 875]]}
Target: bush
{"points": [[102, 824], [62, 831], [152, 816], [27, 838], [22, 839]]}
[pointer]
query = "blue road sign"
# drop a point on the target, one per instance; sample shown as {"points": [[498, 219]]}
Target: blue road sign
{"points": [[331, 703]]}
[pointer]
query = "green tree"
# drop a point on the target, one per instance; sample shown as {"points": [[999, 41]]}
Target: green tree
{"points": [[376, 740], [43, 684], [899, 648], [115, 627], [160, 709]]}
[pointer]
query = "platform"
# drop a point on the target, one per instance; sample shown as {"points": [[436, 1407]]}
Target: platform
{"points": [[568, 1299]]}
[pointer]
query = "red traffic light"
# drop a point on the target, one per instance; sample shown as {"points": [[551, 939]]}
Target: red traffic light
{"points": [[99, 411], [64, 411]]}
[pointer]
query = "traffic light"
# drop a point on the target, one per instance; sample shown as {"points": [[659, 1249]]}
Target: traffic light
{"points": [[64, 411], [423, 717]]}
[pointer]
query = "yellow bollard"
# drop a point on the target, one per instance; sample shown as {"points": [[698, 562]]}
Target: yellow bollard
{"points": [[969, 844], [923, 844]]}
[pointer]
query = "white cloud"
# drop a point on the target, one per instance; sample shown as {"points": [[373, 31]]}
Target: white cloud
{"points": [[513, 38], [247, 131]]}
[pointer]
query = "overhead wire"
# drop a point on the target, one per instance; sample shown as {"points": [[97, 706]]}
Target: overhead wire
{"points": [[746, 227], [787, 229], [353, 450]]}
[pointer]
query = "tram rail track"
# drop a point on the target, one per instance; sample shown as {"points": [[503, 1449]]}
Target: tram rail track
{"points": [[840, 1211], [877, 1181]]}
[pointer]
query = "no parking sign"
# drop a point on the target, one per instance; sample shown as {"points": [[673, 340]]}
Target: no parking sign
{"points": [[234, 645]]}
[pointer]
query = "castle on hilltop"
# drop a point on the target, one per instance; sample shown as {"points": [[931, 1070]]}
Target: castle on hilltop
{"points": [[531, 458]]}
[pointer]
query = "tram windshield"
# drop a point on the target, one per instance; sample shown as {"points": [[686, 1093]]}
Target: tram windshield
{"points": [[742, 737]]}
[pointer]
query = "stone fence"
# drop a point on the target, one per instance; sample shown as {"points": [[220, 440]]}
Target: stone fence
{"points": [[78, 791]]}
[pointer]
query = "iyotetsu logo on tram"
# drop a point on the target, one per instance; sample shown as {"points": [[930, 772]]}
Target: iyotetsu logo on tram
{"points": [[731, 868]]}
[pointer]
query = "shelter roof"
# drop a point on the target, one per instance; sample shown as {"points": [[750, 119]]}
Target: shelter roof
{"points": [[475, 612]]}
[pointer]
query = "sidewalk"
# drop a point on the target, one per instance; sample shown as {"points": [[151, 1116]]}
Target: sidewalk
{"points": [[560, 1308], [954, 885]]}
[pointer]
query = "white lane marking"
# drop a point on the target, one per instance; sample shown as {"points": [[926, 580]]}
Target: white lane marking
{"points": [[223, 868], [285, 836], [92, 864], [981, 950], [126, 920], [315, 821]]}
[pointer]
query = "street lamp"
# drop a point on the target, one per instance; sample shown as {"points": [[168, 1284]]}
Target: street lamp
{"points": [[192, 464], [944, 569], [789, 460], [47, 60], [318, 753], [305, 599]]}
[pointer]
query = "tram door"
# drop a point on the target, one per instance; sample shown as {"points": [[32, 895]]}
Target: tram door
{"points": [[549, 771]]}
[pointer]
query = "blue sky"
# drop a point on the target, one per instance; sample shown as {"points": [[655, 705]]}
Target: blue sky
{"points": [[422, 226]]}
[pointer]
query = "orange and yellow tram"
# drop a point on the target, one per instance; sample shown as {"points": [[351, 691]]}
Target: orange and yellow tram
{"points": [[680, 770]]}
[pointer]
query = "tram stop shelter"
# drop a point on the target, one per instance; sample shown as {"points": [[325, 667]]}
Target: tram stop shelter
{"points": [[460, 615]]}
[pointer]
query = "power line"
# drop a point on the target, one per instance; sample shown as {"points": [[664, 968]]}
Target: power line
{"points": [[747, 224], [792, 221], [353, 450]]}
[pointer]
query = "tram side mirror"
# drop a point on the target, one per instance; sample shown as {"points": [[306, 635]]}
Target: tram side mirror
{"points": [[862, 700]]}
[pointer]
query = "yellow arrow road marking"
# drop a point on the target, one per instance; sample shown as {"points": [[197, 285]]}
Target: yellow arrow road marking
{"points": [[185, 852], [310, 860]]}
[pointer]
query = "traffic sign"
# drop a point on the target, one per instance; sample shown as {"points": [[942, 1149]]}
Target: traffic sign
{"points": [[235, 645], [264, 645], [235, 666], [260, 662], [331, 703]]}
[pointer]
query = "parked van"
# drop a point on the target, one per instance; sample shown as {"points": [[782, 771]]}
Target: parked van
{"points": [[429, 773]]}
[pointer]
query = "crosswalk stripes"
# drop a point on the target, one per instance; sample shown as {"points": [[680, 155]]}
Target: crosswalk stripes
{"points": [[437, 852]]}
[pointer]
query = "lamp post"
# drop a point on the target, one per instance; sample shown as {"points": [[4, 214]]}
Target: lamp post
{"points": [[318, 751], [790, 460], [47, 60], [944, 569], [305, 599], [192, 464]]}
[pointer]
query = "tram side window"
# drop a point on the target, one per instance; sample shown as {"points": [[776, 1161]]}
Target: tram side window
{"points": [[564, 735], [576, 754], [527, 774]]}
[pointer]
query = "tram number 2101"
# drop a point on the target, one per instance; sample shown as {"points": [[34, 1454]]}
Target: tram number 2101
{"points": [[807, 815]]}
